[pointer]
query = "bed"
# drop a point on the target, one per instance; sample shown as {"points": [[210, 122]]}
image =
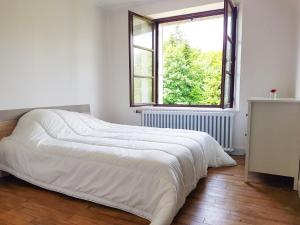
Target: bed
{"points": [[145, 171]]}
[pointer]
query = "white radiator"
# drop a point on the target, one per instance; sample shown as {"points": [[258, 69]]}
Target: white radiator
{"points": [[218, 124]]}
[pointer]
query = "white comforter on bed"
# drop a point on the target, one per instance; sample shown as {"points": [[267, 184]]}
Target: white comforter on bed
{"points": [[145, 171]]}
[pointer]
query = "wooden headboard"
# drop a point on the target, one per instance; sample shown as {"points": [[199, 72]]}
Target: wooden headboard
{"points": [[9, 118]]}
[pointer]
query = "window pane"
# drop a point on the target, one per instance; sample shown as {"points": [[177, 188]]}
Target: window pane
{"points": [[227, 90], [228, 66], [229, 23], [229, 51], [142, 62], [142, 33], [142, 90], [229, 58]]}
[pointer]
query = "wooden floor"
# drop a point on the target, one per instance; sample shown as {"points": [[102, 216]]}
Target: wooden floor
{"points": [[222, 198]]}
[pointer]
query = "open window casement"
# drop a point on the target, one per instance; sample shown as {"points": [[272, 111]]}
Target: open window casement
{"points": [[144, 52], [228, 68], [142, 60]]}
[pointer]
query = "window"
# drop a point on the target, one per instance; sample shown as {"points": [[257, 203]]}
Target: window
{"points": [[142, 60], [186, 60]]}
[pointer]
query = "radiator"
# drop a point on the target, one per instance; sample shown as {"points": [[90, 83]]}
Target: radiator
{"points": [[218, 124]]}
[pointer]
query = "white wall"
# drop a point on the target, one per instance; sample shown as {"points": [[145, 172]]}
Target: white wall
{"points": [[51, 53], [297, 82], [267, 55]]}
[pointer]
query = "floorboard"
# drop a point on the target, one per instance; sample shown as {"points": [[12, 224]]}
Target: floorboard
{"points": [[220, 199]]}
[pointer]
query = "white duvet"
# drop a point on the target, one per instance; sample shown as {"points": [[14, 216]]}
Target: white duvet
{"points": [[144, 171]]}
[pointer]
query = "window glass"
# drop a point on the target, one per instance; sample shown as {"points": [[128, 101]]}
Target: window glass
{"points": [[229, 23], [142, 33], [142, 62], [142, 90], [227, 91], [229, 57]]}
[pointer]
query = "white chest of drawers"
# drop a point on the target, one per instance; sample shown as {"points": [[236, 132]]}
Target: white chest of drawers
{"points": [[274, 137]]}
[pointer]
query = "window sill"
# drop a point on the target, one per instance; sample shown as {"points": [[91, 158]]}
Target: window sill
{"points": [[181, 109]]}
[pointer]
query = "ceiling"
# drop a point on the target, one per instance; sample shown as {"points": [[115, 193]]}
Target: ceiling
{"points": [[112, 3]]}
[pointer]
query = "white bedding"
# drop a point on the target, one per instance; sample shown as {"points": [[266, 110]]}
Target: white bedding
{"points": [[145, 171]]}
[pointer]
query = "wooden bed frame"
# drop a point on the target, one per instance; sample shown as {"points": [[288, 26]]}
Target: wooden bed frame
{"points": [[9, 118], [7, 127]]}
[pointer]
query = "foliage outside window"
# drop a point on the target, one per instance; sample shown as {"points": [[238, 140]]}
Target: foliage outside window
{"points": [[191, 77]]}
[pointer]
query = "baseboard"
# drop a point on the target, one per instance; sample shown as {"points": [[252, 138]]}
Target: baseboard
{"points": [[237, 151]]}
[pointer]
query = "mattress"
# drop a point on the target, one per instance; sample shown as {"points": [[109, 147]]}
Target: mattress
{"points": [[145, 171]]}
